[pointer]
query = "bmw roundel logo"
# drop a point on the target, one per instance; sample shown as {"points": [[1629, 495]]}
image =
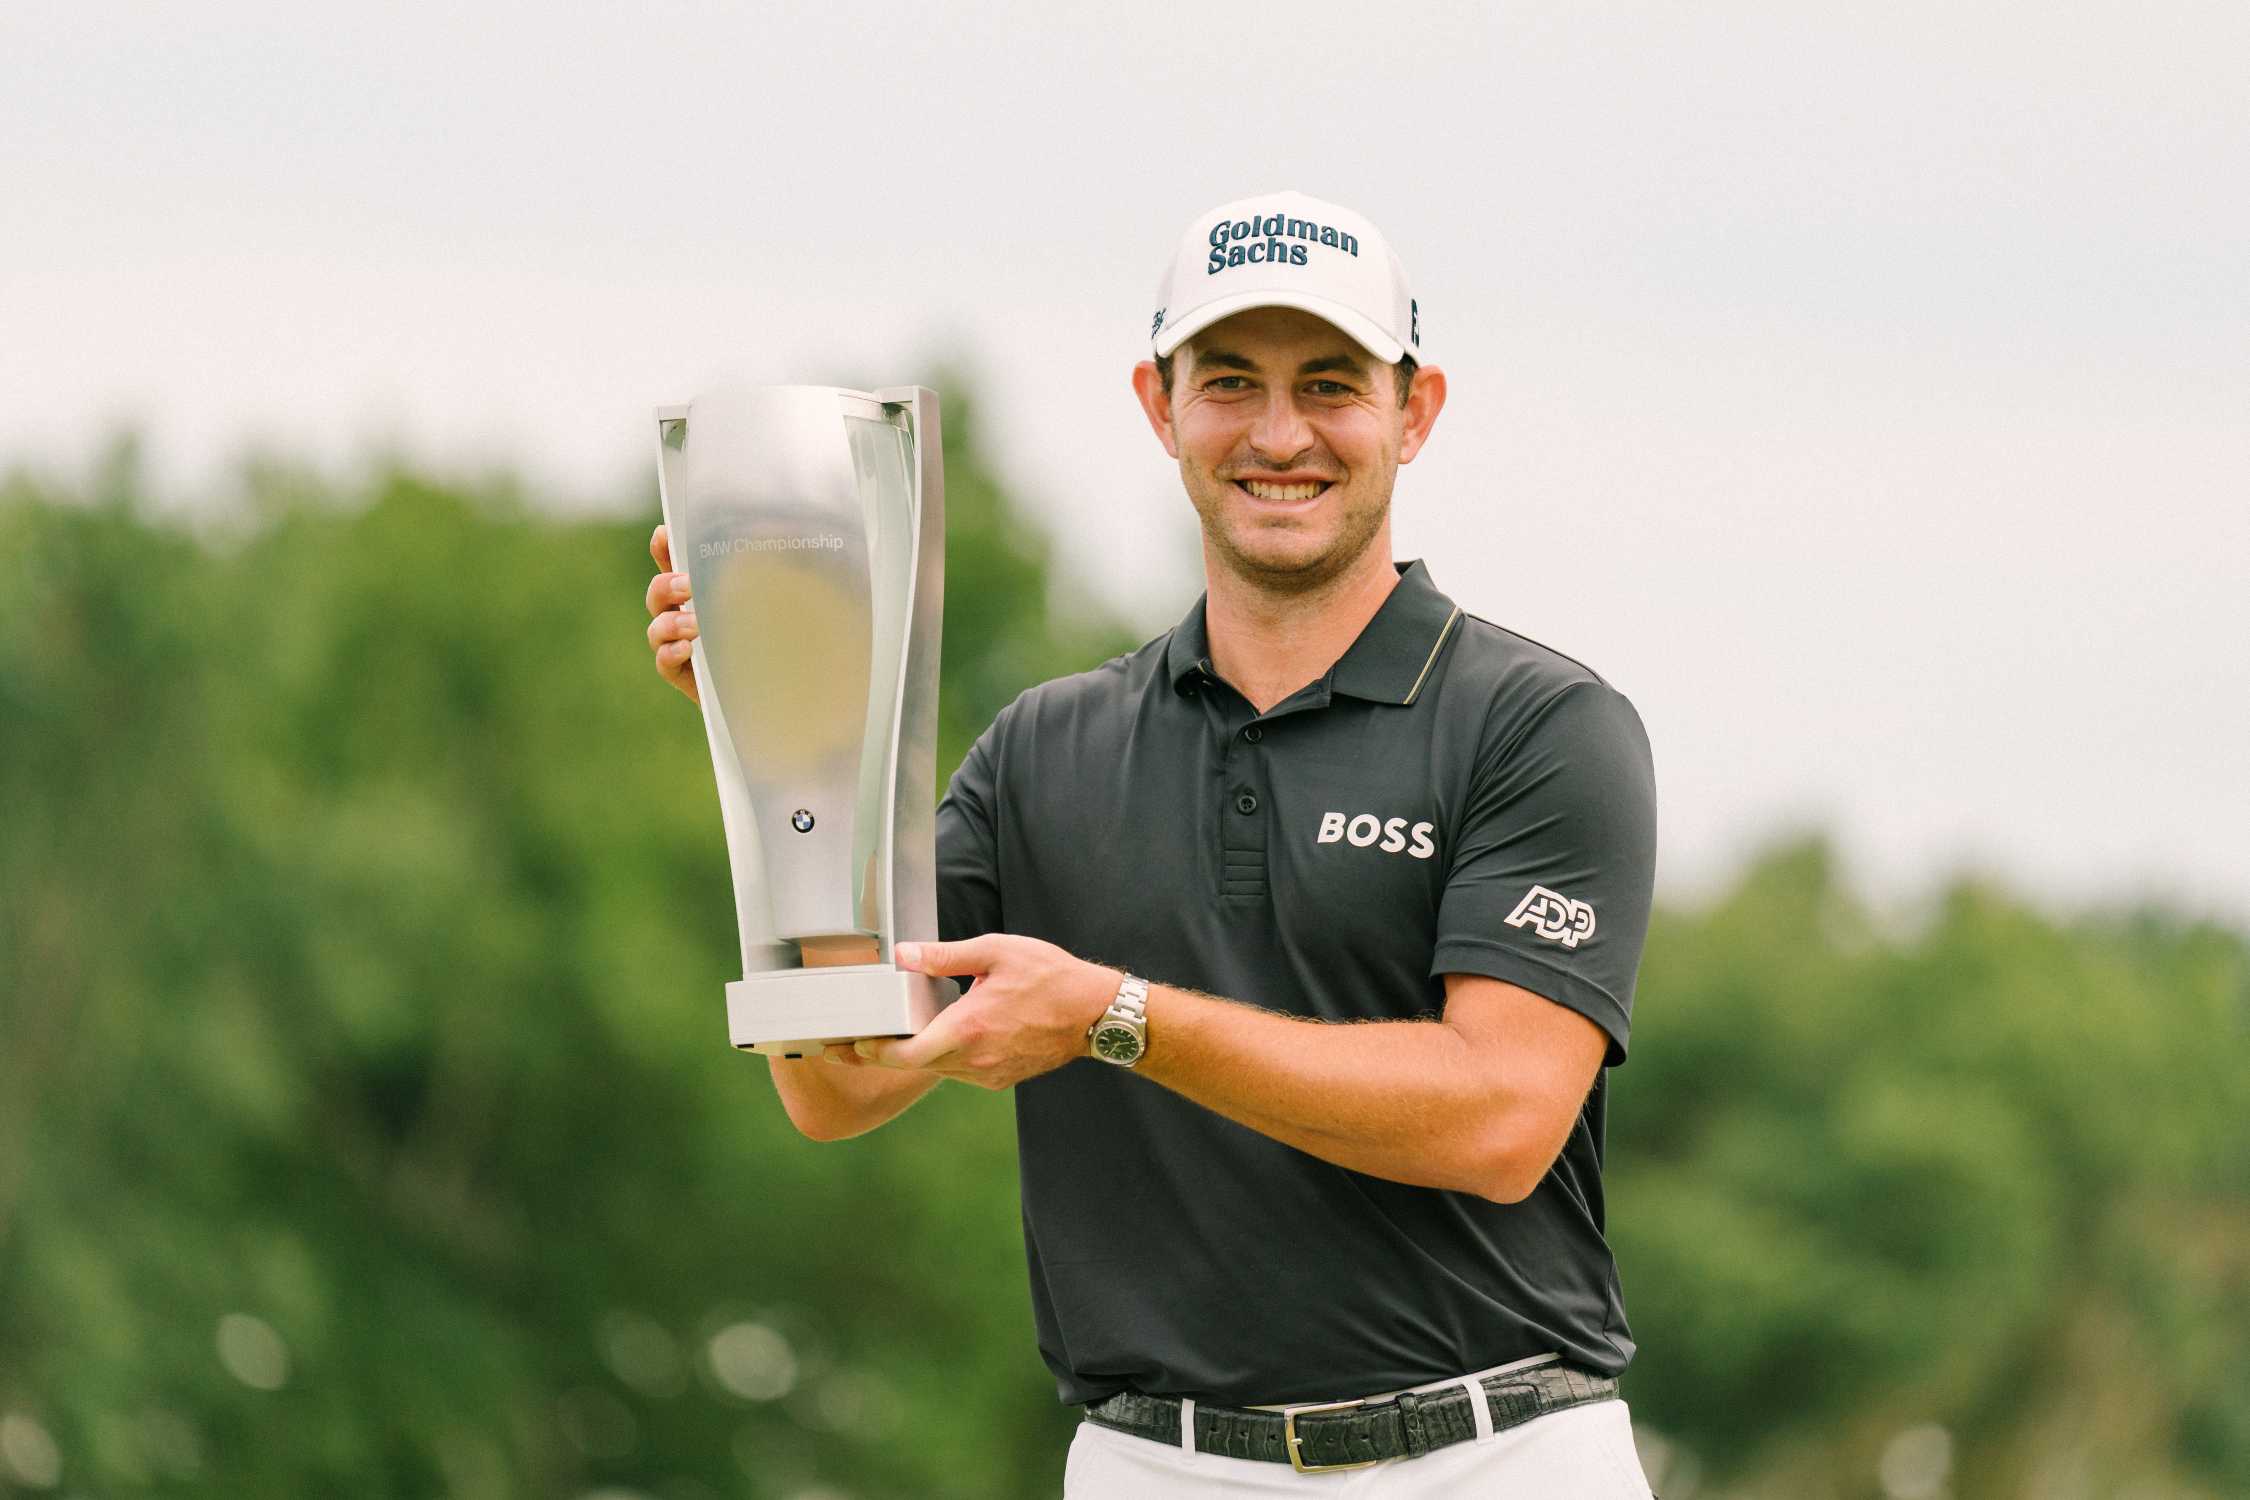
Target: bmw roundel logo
{"points": [[801, 820]]}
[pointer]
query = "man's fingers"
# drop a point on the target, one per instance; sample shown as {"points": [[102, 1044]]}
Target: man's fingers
{"points": [[671, 629], [673, 625], [667, 591], [935, 1040], [675, 663], [971, 956]]}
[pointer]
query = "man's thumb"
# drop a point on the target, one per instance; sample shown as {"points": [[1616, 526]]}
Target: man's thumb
{"points": [[937, 958]]}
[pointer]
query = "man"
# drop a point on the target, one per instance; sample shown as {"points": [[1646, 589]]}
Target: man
{"points": [[1327, 796]]}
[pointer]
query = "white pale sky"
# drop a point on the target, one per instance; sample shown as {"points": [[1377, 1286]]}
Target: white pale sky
{"points": [[1863, 389]]}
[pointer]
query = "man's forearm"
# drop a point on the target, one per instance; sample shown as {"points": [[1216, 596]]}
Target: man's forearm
{"points": [[829, 1101], [1412, 1101], [832, 1101], [1479, 1102]]}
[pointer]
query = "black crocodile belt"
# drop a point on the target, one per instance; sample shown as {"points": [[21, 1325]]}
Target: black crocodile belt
{"points": [[1354, 1434]]}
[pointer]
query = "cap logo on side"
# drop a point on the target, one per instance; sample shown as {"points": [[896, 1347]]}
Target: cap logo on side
{"points": [[1239, 243]]}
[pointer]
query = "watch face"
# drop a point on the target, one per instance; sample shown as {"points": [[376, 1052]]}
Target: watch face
{"points": [[1117, 1044]]}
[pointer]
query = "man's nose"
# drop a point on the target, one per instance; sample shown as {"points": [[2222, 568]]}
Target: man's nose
{"points": [[1281, 431]]}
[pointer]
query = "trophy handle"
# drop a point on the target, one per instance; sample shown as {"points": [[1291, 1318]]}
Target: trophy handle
{"points": [[761, 949], [910, 863]]}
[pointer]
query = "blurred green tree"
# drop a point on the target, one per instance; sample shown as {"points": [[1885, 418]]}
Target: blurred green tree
{"points": [[365, 925], [1985, 1172]]}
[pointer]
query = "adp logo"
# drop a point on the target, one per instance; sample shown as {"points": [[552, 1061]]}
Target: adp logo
{"points": [[1554, 916]]}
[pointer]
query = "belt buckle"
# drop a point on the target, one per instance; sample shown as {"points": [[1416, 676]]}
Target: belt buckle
{"points": [[1289, 1439]]}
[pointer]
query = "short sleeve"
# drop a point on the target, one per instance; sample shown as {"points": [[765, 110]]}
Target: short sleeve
{"points": [[968, 864], [1553, 867]]}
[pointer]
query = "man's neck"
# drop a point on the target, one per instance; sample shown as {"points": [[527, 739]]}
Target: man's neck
{"points": [[1267, 645]]}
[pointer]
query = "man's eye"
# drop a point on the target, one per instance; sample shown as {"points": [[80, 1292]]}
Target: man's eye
{"points": [[1331, 388], [1229, 383]]}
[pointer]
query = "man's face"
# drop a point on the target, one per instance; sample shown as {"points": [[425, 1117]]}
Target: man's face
{"points": [[1289, 436]]}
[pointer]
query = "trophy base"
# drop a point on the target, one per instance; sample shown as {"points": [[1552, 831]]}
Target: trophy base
{"points": [[796, 1012]]}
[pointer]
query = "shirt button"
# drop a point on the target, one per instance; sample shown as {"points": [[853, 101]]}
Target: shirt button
{"points": [[1246, 803], [1253, 734]]}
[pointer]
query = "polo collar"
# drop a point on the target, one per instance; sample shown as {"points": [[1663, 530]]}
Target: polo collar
{"points": [[1388, 663]]}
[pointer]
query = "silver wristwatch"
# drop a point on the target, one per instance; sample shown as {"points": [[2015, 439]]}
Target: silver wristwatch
{"points": [[1121, 1035]]}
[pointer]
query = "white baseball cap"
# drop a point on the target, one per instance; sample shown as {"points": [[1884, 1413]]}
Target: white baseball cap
{"points": [[1288, 250]]}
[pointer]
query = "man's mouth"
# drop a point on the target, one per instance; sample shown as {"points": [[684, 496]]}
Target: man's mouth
{"points": [[1262, 489]]}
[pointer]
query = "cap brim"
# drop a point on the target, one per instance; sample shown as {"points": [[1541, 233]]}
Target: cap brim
{"points": [[1361, 329]]}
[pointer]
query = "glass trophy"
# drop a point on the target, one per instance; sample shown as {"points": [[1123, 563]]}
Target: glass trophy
{"points": [[811, 523]]}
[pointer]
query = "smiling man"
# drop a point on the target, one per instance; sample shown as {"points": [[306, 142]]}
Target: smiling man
{"points": [[1305, 936]]}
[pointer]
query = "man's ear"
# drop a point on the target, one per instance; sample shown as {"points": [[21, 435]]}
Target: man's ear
{"points": [[1425, 398], [1155, 403]]}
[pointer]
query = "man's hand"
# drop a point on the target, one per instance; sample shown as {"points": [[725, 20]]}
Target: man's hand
{"points": [[671, 628], [1027, 1013]]}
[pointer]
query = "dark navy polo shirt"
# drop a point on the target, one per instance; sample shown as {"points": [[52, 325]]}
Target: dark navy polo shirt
{"points": [[1449, 798]]}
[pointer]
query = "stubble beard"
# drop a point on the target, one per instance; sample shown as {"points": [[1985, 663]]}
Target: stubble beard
{"points": [[1306, 575]]}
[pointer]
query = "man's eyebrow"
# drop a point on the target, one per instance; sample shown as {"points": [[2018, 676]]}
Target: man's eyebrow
{"points": [[1227, 359]]}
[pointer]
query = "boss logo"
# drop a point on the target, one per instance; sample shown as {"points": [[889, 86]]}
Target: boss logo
{"points": [[1554, 916], [1388, 834]]}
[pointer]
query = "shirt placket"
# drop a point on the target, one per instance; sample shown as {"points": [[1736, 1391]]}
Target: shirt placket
{"points": [[1244, 815], [1246, 806]]}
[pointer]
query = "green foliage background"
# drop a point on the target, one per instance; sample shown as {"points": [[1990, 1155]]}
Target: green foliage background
{"points": [[367, 1125]]}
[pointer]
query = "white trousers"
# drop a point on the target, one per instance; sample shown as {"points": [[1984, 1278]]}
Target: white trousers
{"points": [[1579, 1453]]}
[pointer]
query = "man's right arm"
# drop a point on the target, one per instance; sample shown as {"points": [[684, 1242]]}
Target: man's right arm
{"points": [[827, 1099], [833, 1100]]}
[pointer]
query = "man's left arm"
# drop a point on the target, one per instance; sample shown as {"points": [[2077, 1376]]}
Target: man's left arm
{"points": [[1479, 1102], [1539, 936]]}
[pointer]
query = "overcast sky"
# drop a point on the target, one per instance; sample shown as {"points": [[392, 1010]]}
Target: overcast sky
{"points": [[1864, 390]]}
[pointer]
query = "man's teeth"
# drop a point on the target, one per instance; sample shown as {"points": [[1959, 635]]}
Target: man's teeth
{"points": [[1265, 491]]}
